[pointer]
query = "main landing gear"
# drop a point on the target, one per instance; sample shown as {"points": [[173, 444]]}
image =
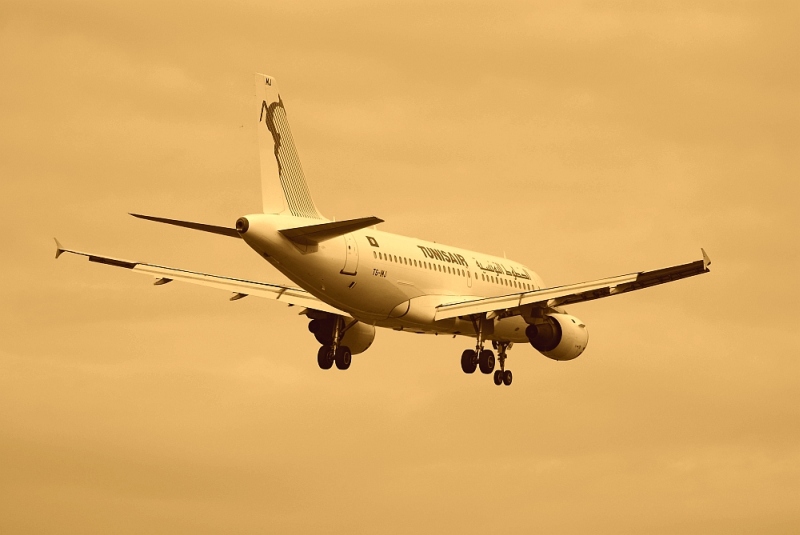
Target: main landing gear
{"points": [[329, 333], [327, 355], [484, 358], [502, 376]]}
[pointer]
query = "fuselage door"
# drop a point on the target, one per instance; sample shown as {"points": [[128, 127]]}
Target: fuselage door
{"points": [[351, 258]]}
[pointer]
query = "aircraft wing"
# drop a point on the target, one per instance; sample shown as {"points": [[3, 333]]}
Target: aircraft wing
{"points": [[239, 287], [573, 293]]}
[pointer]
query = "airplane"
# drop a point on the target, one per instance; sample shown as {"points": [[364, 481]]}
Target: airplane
{"points": [[352, 278]]}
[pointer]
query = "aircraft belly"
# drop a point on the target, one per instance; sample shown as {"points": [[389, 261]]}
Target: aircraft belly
{"points": [[510, 329]]}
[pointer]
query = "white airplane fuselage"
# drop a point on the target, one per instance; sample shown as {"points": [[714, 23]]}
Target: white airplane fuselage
{"points": [[392, 281], [353, 278]]}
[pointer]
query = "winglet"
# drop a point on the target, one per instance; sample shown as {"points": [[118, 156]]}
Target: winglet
{"points": [[706, 259], [59, 248]]}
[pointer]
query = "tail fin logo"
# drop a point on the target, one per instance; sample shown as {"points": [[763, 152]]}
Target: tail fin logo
{"points": [[291, 175], [267, 115]]}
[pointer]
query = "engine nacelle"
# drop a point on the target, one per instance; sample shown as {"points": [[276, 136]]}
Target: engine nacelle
{"points": [[357, 338], [559, 336]]}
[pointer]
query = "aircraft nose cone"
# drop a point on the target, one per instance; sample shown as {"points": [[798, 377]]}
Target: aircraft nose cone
{"points": [[242, 224]]}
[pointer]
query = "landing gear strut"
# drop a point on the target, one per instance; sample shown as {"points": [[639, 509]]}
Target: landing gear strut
{"points": [[484, 358], [329, 333], [502, 376]]}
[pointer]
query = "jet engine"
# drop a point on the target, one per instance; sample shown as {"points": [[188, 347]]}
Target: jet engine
{"points": [[357, 338], [559, 336]]}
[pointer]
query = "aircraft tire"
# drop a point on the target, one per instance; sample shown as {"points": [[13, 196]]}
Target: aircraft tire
{"points": [[486, 361], [507, 377], [343, 357], [324, 358], [468, 361], [498, 377]]}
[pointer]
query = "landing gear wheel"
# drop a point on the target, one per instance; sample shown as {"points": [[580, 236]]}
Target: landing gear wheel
{"points": [[343, 357], [506, 378], [469, 361], [486, 361], [325, 357], [498, 377]]}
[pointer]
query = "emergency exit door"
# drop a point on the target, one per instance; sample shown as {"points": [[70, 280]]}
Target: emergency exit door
{"points": [[351, 257]]}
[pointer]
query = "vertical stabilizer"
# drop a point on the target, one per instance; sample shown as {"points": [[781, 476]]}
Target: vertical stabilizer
{"points": [[283, 185]]}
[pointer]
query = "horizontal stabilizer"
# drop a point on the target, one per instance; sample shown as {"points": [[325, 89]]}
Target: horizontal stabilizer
{"points": [[214, 229], [315, 234]]}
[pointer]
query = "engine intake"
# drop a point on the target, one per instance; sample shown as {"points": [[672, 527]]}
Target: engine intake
{"points": [[559, 336]]}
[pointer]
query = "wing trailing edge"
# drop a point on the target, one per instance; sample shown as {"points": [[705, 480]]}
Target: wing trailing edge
{"points": [[574, 293], [239, 287]]}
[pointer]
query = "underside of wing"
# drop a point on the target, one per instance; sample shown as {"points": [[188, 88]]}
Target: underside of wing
{"points": [[573, 293], [239, 287]]}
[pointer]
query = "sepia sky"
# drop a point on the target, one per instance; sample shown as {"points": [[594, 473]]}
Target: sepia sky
{"points": [[583, 139]]}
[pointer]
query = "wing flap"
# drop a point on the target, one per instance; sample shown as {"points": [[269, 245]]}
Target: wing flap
{"points": [[288, 295], [574, 293]]}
